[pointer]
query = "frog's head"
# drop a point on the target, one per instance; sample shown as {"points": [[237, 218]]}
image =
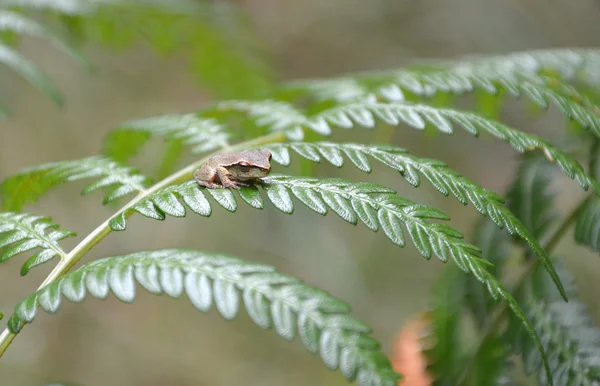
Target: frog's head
{"points": [[252, 164]]}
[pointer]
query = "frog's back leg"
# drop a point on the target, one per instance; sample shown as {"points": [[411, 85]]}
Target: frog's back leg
{"points": [[205, 176]]}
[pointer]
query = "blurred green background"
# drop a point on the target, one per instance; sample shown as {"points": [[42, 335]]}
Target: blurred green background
{"points": [[160, 341]]}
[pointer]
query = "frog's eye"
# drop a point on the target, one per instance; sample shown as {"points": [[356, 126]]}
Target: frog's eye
{"points": [[243, 166]]}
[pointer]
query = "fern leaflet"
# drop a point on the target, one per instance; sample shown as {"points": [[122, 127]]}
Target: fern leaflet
{"points": [[22, 232], [272, 299], [444, 179], [202, 134], [517, 73], [22, 25], [31, 184], [377, 207], [415, 115]]}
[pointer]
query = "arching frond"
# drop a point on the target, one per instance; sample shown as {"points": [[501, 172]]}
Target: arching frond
{"points": [[20, 232], [444, 179], [377, 207], [490, 73], [519, 74], [31, 184], [272, 300], [415, 115], [201, 134]]}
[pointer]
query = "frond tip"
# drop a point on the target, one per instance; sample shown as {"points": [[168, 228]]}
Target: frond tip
{"points": [[24, 232], [444, 179], [272, 300], [31, 184], [279, 116]]}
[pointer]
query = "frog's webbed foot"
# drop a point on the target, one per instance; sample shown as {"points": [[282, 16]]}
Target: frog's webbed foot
{"points": [[232, 184], [208, 184]]}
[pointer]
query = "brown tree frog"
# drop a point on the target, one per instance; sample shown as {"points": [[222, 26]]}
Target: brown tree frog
{"points": [[232, 170]]}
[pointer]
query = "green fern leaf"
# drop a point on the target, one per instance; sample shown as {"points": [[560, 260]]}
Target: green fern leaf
{"points": [[20, 233], [567, 331], [67, 7], [191, 130], [31, 184], [530, 197], [518, 74], [276, 116], [586, 227], [374, 205], [17, 62], [22, 25], [444, 179], [283, 117], [272, 299]]}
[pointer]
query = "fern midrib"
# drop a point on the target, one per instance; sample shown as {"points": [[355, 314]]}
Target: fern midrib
{"points": [[67, 262]]}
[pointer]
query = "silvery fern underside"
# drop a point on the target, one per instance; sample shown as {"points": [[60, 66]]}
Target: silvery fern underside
{"points": [[472, 286]]}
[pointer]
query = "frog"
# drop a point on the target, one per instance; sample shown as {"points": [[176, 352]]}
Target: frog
{"points": [[234, 170]]}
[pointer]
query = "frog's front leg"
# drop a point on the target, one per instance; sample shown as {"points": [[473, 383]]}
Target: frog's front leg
{"points": [[205, 176], [226, 182]]}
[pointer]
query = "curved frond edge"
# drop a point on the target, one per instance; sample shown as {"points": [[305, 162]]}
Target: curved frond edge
{"points": [[272, 300]]}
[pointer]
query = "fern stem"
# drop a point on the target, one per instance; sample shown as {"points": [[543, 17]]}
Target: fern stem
{"points": [[67, 262]]}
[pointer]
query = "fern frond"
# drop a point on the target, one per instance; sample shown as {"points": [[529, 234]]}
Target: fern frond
{"points": [[444, 179], [277, 116], [272, 300], [567, 331], [22, 232], [67, 7], [31, 184], [376, 206], [191, 130], [414, 115], [19, 64], [587, 229], [530, 197], [519, 74], [22, 25]]}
